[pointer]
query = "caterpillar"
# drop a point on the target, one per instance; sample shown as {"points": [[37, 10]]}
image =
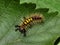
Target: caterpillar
{"points": [[28, 21]]}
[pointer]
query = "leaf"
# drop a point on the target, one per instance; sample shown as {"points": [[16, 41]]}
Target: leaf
{"points": [[11, 12]]}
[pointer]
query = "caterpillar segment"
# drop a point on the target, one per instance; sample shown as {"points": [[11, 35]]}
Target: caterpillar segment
{"points": [[28, 22]]}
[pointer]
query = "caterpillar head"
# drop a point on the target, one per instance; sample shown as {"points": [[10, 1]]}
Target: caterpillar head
{"points": [[22, 30], [18, 28]]}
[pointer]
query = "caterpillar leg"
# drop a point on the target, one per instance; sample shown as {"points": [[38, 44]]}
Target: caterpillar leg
{"points": [[16, 29], [24, 33], [30, 26]]}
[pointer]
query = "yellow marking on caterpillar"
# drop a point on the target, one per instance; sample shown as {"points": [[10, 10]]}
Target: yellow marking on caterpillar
{"points": [[28, 19], [31, 19], [25, 23]]}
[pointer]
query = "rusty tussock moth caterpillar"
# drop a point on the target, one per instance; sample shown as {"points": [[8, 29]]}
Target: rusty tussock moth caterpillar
{"points": [[28, 21]]}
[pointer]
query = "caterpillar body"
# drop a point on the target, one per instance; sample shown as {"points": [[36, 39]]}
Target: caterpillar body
{"points": [[28, 21]]}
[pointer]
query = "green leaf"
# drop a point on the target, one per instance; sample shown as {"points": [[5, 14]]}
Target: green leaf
{"points": [[11, 12]]}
